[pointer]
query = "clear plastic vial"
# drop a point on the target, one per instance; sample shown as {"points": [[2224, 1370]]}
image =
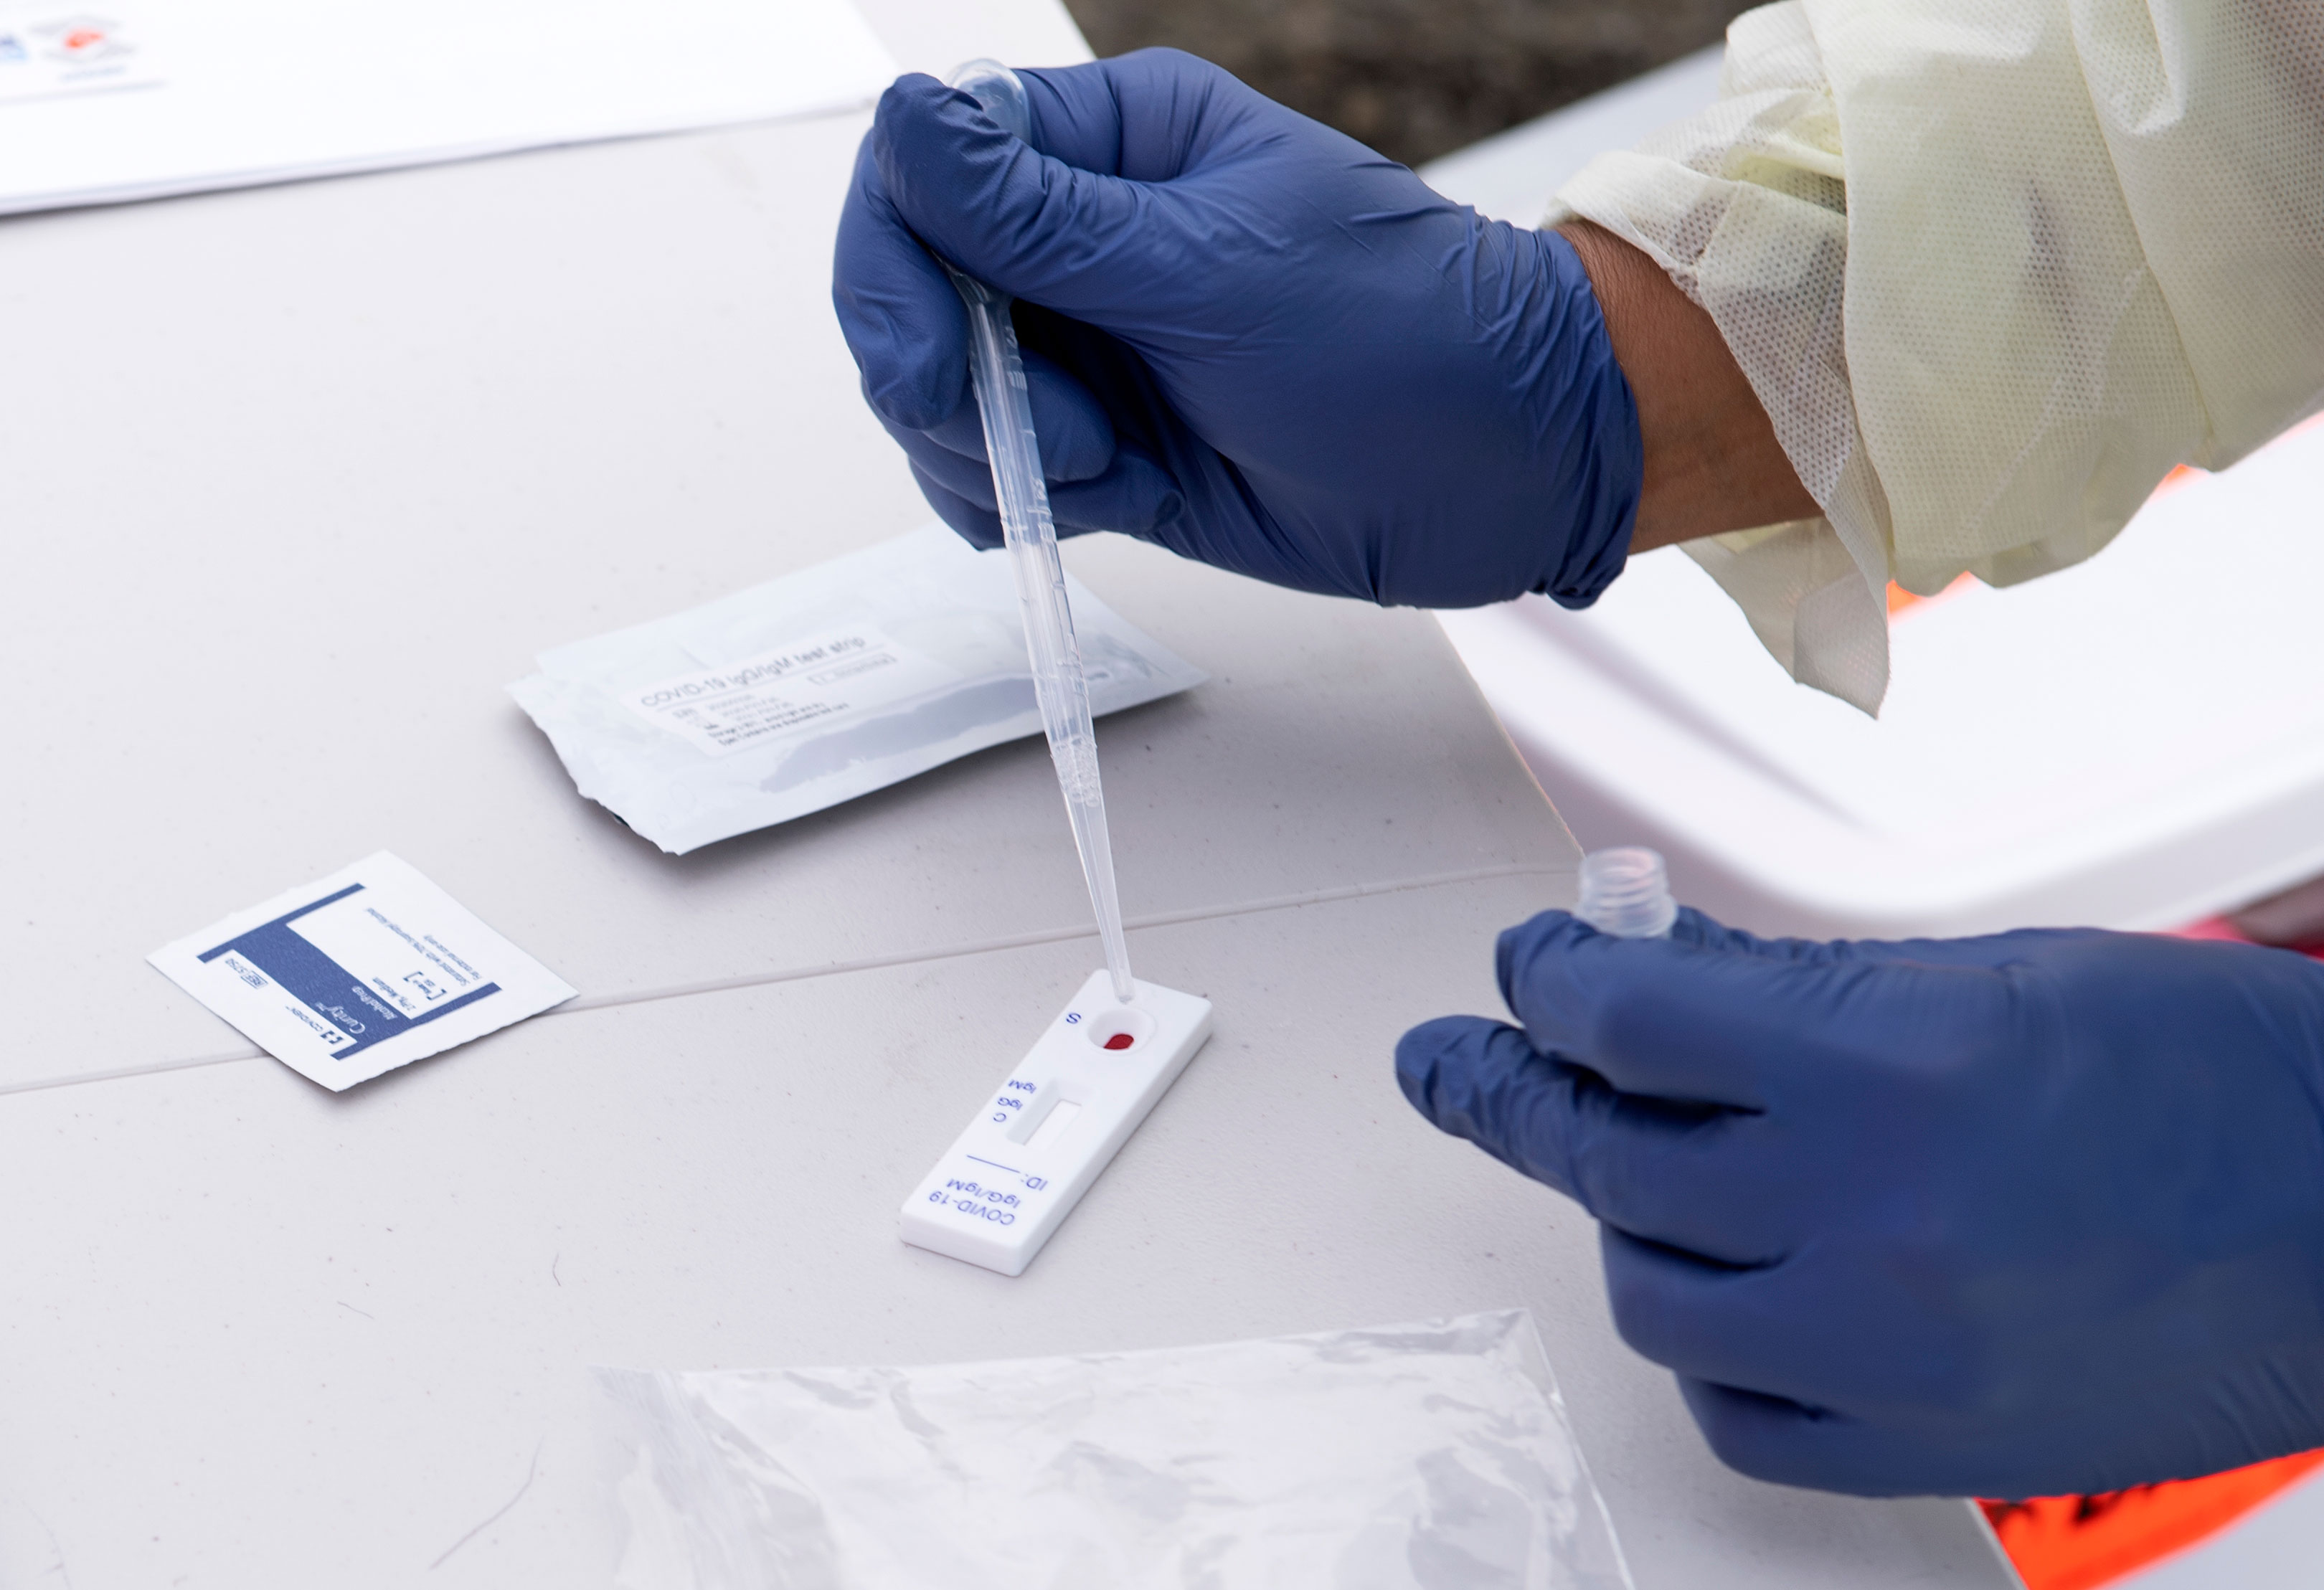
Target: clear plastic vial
{"points": [[1626, 891]]}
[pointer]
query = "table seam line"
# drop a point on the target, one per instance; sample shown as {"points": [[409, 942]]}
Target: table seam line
{"points": [[1051, 936], [881, 962]]}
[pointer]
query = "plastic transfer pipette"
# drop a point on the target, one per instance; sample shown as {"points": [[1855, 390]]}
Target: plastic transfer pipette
{"points": [[1058, 685]]}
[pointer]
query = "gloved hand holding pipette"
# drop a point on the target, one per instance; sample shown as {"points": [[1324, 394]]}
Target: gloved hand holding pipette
{"points": [[1257, 343]]}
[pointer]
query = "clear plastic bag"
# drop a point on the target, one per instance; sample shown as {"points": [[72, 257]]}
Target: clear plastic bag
{"points": [[1426, 1457], [812, 689]]}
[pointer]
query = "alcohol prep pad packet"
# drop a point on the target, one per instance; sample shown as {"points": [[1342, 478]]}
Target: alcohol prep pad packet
{"points": [[1426, 1457], [360, 972], [815, 688]]}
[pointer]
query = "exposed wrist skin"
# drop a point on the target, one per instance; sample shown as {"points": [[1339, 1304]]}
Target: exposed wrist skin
{"points": [[1712, 462]]}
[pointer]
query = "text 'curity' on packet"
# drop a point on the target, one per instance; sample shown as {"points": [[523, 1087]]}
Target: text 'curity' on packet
{"points": [[360, 972], [812, 689]]}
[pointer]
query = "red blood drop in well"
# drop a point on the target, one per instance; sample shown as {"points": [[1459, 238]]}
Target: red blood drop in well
{"points": [[1119, 1041]]}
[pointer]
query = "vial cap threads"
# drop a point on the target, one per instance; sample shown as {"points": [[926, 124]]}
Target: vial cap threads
{"points": [[1625, 893]]}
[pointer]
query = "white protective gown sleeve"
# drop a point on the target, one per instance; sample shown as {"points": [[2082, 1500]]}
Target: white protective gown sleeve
{"points": [[1992, 266]]}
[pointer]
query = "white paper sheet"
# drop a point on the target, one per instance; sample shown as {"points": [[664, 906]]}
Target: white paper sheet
{"points": [[138, 98]]}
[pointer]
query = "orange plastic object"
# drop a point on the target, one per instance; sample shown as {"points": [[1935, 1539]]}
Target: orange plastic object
{"points": [[2081, 1542], [2176, 478], [1899, 599]]}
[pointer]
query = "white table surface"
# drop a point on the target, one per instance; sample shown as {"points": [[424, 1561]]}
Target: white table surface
{"points": [[298, 479]]}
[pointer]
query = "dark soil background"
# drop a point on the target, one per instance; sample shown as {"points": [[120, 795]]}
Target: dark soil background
{"points": [[1416, 79]]}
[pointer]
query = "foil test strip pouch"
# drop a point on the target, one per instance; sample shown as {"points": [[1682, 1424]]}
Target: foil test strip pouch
{"points": [[817, 687]]}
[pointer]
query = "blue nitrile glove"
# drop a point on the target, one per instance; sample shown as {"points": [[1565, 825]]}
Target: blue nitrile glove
{"points": [[1248, 338], [2015, 1216]]}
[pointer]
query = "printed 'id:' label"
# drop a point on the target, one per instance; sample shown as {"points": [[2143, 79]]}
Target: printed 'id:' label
{"points": [[842, 673]]}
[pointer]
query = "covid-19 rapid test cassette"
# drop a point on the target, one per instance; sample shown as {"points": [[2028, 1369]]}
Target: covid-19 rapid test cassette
{"points": [[1052, 1128]]}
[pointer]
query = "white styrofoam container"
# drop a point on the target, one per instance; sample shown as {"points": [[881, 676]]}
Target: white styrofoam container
{"points": [[2136, 742]]}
